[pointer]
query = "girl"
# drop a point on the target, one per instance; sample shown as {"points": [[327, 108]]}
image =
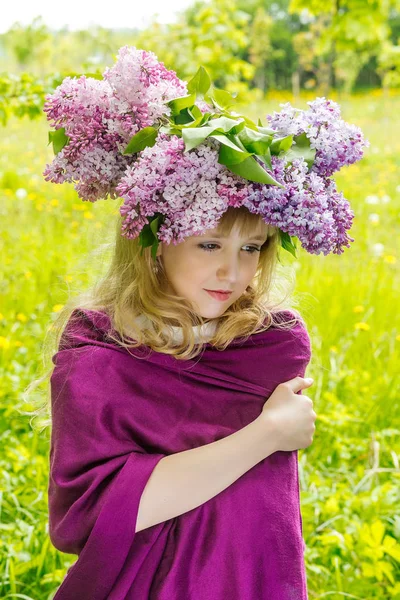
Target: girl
{"points": [[176, 395], [171, 477]]}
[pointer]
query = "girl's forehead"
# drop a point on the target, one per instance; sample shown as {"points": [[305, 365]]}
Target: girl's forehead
{"points": [[259, 229]]}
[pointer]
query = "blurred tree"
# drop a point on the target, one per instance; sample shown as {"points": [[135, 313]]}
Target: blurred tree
{"points": [[213, 34], [281, 65], [353, 31], [389, 65], [260, 46], [30, 45]]}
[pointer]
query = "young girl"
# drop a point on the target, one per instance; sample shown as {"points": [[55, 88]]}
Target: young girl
{"points": [[176, 395], [174, 477]]}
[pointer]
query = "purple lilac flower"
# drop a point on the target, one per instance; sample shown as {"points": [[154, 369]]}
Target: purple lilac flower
{"points": [[192, 190], [337, 143], [101, 116], [309, 207]]}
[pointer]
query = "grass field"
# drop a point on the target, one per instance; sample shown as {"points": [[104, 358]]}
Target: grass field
{"points": [[350, 475]]}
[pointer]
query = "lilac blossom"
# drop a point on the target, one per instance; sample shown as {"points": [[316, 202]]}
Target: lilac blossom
{"points": [[101, 116], [336, 142], [192, 190], [309, 207]]}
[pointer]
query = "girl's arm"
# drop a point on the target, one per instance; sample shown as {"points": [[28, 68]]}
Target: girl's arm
{"points": [[185, 480]]}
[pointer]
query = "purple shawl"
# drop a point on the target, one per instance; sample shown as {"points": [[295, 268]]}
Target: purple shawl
{"points": [[116, 415]]}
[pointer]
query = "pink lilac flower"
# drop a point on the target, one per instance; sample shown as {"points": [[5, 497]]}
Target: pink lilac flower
{"points": [[192, 190], [101, 116], [337, 143]]}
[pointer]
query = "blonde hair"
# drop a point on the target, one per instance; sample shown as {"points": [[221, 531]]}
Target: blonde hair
{"points": [[133, 285]]}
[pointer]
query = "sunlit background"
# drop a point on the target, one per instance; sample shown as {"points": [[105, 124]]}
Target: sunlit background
{"points": [[268, 53]]}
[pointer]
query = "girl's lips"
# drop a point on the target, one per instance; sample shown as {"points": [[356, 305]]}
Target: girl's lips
{"points": [[219, 295]]}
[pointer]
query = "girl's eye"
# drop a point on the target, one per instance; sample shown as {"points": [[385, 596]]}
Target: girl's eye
{"points": [[203, 247]]}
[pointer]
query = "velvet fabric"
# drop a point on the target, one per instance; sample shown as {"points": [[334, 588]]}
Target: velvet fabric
{"points": [[115, 416]]}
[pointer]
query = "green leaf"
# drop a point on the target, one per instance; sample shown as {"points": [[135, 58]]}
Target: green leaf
{"points": [[184, 117], [266, 130], [225, 139], [287, 242], [146, 235], [254, 141], [281, 144], [195, 112], [195, 136], [259, 122], [200, 82], [266, 159], [143, 138], [59, 139], [229, 156], [170, 130], [250, 169], [220, 98], [248, 122], [154, 224], [178, 104], [226, 124], [301, 149], [196, 123]]}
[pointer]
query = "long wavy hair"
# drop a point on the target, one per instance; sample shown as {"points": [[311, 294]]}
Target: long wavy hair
{"points": [[132, 285]]}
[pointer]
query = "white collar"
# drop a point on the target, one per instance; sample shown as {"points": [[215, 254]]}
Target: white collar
{"points": [[202, 333]]}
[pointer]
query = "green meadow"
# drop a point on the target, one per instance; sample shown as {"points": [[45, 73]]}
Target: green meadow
{"points": [[54, 245]]}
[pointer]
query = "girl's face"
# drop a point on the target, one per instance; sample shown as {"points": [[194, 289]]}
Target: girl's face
{"points": [[212, 262]]}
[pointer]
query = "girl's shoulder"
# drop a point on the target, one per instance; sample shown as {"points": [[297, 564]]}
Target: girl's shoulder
{"points": [[289, 326], [85, 326]]}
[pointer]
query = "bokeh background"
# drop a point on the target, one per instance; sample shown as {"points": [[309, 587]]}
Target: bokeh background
{"points": [[268, 52]]}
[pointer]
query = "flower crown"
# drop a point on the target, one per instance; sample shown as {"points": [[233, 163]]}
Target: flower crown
{"points": [[179, 158]]}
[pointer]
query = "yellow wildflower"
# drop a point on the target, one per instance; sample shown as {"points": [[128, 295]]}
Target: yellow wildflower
{"points": [[358, 309], [4, 342], [363, 326], [390, 259], [22, 317], [57, 307]]}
